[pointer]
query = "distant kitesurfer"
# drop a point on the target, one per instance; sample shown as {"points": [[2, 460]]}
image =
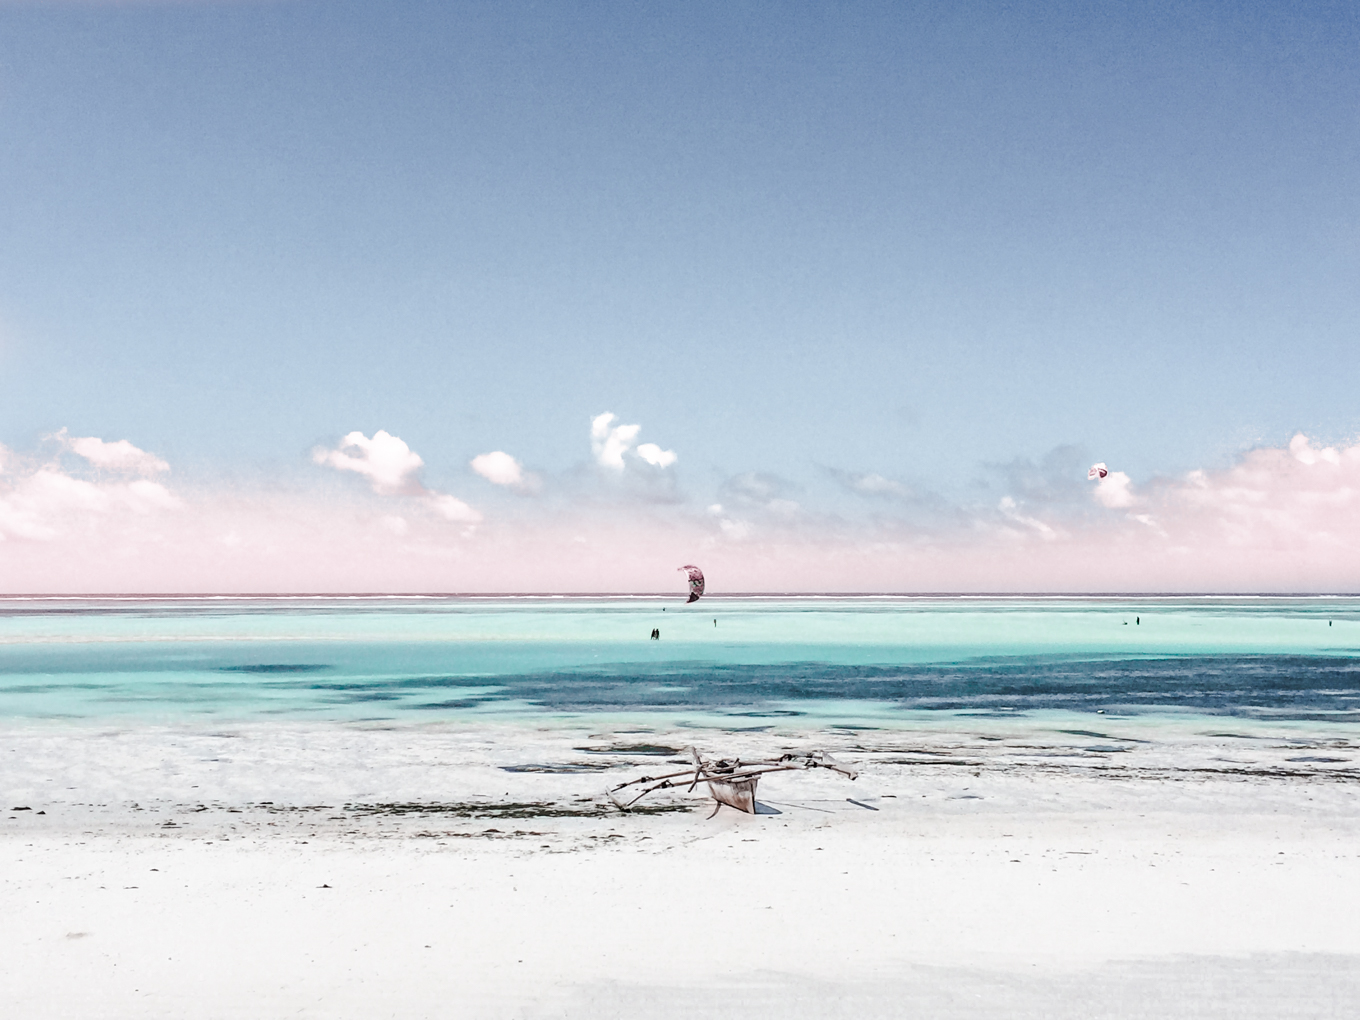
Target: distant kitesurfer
{"points": [[696, 581]]}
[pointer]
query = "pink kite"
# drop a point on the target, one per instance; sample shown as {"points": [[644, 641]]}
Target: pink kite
{"points": [[696, 582]]}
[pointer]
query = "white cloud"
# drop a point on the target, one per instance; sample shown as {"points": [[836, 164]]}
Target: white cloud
{"points": [[390, 467], [1011, 510], [386, 461], [869, 484], [766, 493], [1114, 490], [42, 505], [144, 496], [119, 456], [609, 443], [653, 454], [876, 485], [452, 508], [499, 468], [1302, 450], [735, 530]]}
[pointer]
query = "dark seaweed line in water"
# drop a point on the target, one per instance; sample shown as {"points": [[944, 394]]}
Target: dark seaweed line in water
{"points": [[1318, 688], [1136, 772], [1296, 686], [1266, 772]]}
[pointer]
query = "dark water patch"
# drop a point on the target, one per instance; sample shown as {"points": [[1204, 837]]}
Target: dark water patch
{"points": [[1317, 758], [563, 769], [769, 713], [1071, 752], [275, 667], [50, 688], [660, 750], [430, 706], [903, 750], [1101, 736]]}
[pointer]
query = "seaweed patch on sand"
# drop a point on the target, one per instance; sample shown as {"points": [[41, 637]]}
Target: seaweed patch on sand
{"points": [[532, 809]]}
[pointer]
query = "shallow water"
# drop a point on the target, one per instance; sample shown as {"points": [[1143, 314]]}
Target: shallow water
{"points": [[737, 662]]}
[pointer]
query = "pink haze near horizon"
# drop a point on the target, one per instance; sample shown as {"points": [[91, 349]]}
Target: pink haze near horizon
{"points": [[107, 517]]}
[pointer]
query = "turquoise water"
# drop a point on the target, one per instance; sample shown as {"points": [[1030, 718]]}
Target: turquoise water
{"points": [[743, 661]]}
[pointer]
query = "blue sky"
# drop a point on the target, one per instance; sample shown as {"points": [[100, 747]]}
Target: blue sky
{"points": [[913, 240]]}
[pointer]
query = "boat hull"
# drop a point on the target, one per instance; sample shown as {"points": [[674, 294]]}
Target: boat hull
{"points": [[736, 793]]}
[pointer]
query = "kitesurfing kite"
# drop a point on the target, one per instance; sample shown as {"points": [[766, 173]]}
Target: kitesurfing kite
{"points": [[696, 582], [1097, 471]]}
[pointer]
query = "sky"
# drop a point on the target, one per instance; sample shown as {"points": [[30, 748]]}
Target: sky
{"points": [[866, 289]]}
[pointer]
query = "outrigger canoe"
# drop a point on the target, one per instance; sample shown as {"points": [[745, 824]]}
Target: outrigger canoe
{"points": [[730, 781]]}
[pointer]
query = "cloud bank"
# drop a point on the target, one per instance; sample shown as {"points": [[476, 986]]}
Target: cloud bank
{"points": [[90, 519], [43, 502]]}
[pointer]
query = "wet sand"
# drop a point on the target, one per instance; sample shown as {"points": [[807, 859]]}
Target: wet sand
{"points": [[1002, 869]]}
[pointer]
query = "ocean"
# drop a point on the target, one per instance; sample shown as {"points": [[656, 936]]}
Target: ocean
{"points": [[740, 663]]}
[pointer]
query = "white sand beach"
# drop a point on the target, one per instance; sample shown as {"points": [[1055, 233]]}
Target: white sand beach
{"points": [[347, 872]]}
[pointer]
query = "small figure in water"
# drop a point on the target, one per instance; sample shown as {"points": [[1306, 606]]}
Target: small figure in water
{"points": [[656, 633], [1137, 621]]}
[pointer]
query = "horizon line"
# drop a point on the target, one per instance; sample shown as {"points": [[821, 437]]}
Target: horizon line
{"points": [[58, 596]]}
